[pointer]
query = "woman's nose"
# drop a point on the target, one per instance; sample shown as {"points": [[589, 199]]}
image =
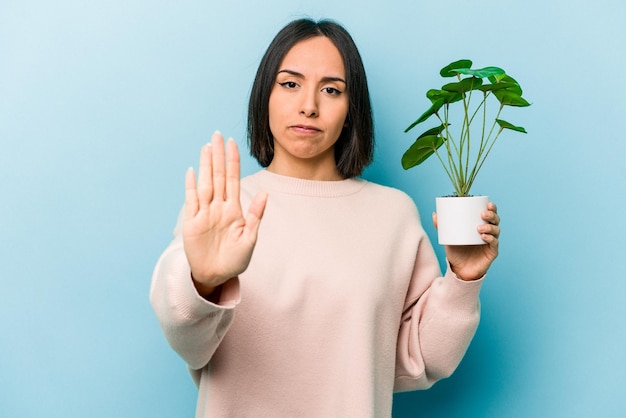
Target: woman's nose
{"points": [[309, 105]]}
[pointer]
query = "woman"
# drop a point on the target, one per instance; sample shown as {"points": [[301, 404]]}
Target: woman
{"points": [[326, 296]]}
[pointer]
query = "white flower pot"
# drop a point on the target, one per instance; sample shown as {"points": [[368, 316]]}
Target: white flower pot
{"points": [[458, 219]]}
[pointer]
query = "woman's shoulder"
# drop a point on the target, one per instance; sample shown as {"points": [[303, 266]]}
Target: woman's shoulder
{"points": [[393, 201], [389, 192], [393, 208]]}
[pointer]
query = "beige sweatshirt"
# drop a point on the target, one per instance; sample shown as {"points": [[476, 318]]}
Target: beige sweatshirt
{"points": [[342, 304]]}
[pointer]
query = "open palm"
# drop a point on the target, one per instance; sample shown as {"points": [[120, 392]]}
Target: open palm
{"points": [[218, 239]]}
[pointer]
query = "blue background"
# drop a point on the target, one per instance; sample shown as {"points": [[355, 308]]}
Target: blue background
{"points": [[103, 106]]}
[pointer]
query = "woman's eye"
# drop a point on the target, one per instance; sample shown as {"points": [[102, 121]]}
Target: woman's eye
{"points": [[289, 84], [332, 91]]}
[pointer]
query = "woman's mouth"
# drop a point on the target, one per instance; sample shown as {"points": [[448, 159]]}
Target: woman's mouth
{"points": [[305, 129]]}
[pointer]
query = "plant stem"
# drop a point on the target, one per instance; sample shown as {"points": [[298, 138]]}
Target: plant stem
{"points": [[478, 108], [464, 143], [449, 140], [451, 148], [468, 123], [480, 159], [452, 179], [486, 154], [483, 141]]}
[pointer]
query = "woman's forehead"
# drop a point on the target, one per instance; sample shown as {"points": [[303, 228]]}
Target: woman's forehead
{"points": [[317, 54]]}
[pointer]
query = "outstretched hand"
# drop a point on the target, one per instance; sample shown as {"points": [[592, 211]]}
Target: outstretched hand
{"points": [[471, 262], [218, 239]]}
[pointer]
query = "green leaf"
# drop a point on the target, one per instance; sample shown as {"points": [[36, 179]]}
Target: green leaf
{"points": [[516, 88], [434, 131], [446, 71], [496, 86], [431, 111], [506, 125], [447, 96], [422, 148], [496, 78], [467, 84], [480, 73], [510, 98]]}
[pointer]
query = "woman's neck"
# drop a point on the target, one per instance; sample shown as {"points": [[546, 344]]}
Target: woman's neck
{"points": [[306, 170]]}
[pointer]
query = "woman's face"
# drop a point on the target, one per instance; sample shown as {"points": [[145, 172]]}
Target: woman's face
{"points": [[308, 106]]}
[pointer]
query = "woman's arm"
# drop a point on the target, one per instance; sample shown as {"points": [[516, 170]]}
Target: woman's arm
{"points": [[195, 284], [440, 316], [193, 325]]}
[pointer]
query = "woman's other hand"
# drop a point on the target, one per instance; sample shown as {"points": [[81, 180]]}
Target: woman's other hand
{"points": [[471, 262]]}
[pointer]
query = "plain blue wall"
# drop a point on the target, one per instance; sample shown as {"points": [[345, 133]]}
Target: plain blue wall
{"points": [[103, 105]]}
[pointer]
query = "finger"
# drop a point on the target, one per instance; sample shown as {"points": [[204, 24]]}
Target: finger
{"points": [[492, 207], [492, 241], [232, 170], [205, 177], [489, 229], [219, 172], [490, 217], [435, 219], [191, 197], [255, 214]]}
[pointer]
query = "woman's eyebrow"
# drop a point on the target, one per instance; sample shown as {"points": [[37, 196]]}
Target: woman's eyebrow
{"points": [[324, 79]]}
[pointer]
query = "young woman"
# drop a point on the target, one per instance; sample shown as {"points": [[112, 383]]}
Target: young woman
{"points": [[303, 290]]}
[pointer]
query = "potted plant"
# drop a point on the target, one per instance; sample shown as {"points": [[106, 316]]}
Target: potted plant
{"points": [[466, 147]]}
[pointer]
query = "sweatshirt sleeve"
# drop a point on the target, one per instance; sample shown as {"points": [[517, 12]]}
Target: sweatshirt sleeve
{"points": [[193, 326], [439, 320]]}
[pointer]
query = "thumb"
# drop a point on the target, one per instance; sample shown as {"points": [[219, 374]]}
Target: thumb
{"points": [[255, 214], [435, 219]]}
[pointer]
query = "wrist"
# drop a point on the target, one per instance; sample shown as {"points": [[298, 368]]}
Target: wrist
{"points": [[203, 289], [466, 276], [470, 278]]}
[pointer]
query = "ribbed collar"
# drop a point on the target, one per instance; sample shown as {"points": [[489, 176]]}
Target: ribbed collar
{"points": [[315, 188]]}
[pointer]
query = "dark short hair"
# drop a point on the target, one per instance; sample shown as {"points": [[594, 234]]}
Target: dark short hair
{"points": [[355, 146]]}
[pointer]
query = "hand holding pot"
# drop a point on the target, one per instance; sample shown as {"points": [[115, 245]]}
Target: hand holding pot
{"points": [[471, 262]]}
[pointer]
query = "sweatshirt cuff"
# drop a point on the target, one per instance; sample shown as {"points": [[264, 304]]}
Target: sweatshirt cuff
{"points": [[184, 294], [458, 295], [230, 295]]}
